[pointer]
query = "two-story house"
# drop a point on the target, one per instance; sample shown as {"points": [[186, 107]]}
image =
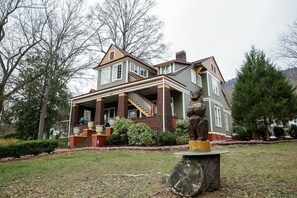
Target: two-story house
{"points": [[156, 95]]}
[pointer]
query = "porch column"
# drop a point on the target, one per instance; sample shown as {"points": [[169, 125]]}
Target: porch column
{"points": [[99, 114], [123, 105], [164, 107], [74, 116]]}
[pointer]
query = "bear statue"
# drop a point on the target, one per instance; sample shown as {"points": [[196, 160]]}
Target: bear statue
{"points": [[198, 123]]}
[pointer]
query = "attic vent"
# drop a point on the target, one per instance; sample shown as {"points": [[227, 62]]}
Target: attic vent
{"points": [[111, 55], [181, 56]]}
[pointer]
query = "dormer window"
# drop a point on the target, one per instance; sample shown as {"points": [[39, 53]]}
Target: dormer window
{"points": [[116, 72], [143, 72], [138, 70], [111, 55], [166, 69], [134, 68]]}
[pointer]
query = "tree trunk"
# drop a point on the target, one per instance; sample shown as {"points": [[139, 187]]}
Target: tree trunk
{"points": [[43, 109], [267, 130], [1, 105]]}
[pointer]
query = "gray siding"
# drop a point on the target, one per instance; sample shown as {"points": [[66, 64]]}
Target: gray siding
{"points": [[185, 78], [117, 82], [178, 103], [179, 66]]}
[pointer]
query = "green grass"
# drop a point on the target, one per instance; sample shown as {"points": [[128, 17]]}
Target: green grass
{"points": [[247, 171]]}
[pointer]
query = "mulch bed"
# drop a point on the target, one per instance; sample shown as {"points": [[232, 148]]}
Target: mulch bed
{"points": [[142, 148]]}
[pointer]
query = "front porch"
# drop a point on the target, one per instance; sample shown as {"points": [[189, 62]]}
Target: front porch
{"points": [[157, 102]]}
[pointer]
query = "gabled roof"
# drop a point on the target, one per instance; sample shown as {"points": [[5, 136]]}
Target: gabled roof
{"points": [[192, 64], [121, 55], [171, 61]]}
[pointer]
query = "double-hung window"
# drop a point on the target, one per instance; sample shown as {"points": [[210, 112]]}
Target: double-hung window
{"points": [[143, 72], [218, 117], [227, 122], [105, 75], [134, 68], [116, 72], [199, 81], [166, 69], [215, 86], [193, 76]]}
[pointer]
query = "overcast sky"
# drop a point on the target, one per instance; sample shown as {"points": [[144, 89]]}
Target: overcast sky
{"points": [[225, 29]]}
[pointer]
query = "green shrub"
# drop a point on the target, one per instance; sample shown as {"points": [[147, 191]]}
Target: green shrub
{"points": [[114, 139], [181, 127], [279, 132], [182, 139], [33, 147], [63, 142], [293, 131], [137, 132], [167, 138], [242, 132], [121, 125], [148, 141]]}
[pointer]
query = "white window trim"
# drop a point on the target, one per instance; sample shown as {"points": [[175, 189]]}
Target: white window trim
{"points": [[193, 77], [218, 116], [199, 81], [108, 81], [116, 73], [215, 86], [227, 122], [166, 69], [146, 71]]}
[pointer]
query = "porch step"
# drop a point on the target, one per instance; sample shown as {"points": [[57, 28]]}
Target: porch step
{"points": [[86, 143], [139, 107]]}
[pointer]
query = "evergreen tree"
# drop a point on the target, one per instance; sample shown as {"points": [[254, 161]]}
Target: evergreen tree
{"points": [[27, 103], [261, 93]]}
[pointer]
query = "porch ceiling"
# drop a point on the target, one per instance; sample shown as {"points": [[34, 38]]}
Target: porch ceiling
{"points": [[92, 103]]}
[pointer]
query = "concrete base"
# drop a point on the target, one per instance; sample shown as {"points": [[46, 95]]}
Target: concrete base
{"points": [[184, 183]]}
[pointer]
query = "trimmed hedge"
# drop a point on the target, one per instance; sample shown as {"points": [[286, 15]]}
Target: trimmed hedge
{"points": [[32, 147]]}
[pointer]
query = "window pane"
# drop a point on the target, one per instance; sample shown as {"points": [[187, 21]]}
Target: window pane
{"points": [[105, 75], [193, 76]]}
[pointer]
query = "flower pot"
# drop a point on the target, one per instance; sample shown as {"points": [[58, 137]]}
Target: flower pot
{"points": [[234, 136], [90, 124], [76, 130], [99, 128]]}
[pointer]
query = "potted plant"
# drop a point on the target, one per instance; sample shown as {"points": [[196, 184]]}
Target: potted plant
{"points": [[99, 128], [76, 130], [90, 124]]}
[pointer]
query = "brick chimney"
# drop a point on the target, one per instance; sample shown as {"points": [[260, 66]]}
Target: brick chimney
{"points": [[181, 56]]}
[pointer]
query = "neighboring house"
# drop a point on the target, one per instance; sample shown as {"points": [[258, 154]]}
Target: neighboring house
{"points": [[156, 95]]}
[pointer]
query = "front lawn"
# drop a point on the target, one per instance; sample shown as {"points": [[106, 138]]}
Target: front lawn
{"points": [[249, 170]]}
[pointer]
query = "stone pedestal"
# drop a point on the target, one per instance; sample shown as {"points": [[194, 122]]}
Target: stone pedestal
{"points": [[196, 173]]}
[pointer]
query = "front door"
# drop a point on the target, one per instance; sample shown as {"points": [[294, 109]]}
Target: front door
{"points": [[109, 113]]}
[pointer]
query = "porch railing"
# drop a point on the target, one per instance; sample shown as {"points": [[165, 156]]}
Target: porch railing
{"points": [[142, 104]]}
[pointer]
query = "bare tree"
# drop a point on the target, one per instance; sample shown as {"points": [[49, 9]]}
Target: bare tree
{"points": [[129, 25], [287, 44], [20, 30], [64, 47]]}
